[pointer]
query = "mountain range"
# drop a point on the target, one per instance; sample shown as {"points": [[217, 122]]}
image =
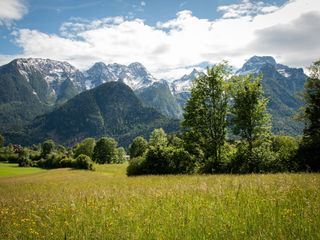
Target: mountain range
{"points": [[43, 98]]}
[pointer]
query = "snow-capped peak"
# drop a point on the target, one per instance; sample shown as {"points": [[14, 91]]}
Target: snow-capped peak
{"points": [[255, 63], [184, 84], [135, 75], [54, 72]]}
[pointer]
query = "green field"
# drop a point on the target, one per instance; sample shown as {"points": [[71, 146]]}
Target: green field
{"points": [[9, 169], [105, 204]]}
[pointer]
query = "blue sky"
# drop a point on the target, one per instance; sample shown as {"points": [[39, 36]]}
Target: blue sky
{"points": [[170, 37]]}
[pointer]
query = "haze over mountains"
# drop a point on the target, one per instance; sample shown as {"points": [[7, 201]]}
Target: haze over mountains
{"points": [[32, 87]]}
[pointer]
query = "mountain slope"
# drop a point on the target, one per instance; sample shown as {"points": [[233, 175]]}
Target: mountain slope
{"points": [[149, 90], [282, 85], [30, 87], [181, 87], [111, 109], [159, 97]]}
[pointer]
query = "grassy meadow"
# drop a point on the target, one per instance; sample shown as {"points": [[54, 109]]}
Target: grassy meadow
{"points": [[13, 169], [106, 204]]}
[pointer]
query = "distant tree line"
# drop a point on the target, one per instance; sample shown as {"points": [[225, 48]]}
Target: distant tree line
{"points": [[51, 155], [225, 129]]}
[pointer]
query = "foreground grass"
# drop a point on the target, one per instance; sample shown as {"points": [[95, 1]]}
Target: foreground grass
{"points": [[74, 204], [10, 169]]}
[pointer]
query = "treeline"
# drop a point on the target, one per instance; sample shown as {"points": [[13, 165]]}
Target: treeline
{"points": [[51, 155], [220, 103]]}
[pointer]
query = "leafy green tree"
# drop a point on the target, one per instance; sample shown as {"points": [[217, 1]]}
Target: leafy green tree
{"points": [[249, 118], [206, 111], [138, 147], [310, 149], [1, 140], [158, 138], [85, 147], [285, 147], [121, 155], [105, 150], [175, 141], [47, 147]]}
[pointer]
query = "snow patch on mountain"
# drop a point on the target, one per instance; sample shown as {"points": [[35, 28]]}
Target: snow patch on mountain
{"points": [[135, 75], [54, 72], [184, 84]]}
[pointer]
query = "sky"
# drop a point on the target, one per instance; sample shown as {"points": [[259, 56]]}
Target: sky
{"points": [[169, 37]]}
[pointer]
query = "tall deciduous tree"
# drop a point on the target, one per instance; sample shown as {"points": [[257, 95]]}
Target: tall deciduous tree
{"points": [[311, 134], [105, 150], [47, 147], [206, 111], [158, 138], [85, 147], [138, 147], [250, 119]]}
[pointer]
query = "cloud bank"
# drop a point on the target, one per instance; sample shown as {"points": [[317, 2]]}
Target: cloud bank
{"points": [[11, 10], [290, 33]]}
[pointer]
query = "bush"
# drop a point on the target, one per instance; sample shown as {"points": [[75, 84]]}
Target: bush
{"points": [[51, 161], [136, 166], [67, 162], [9, 157], [166, 160], [224, 165], [83, 162], [261, 159], [85, 147], [286, 148], [27, 163]]}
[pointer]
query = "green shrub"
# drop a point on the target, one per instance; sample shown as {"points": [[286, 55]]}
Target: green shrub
{"points": [[136, 166], [67, 162], [162, 160], [286, 148], [83, 162], [85, 147], [9, 157]]}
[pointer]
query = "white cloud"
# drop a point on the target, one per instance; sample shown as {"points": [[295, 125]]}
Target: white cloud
{"points": [[11, 10], [142, 3], [172, 48], [246, 8]]}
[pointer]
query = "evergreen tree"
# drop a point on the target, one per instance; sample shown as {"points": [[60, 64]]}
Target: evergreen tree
{"points": [[206, 111], [310, 149]]}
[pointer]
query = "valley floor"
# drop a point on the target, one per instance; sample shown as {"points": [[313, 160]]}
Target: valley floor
{"points": [[106, 204]]}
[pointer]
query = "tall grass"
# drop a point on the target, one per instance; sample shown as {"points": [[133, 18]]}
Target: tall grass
{"points": [[75, 204]]}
